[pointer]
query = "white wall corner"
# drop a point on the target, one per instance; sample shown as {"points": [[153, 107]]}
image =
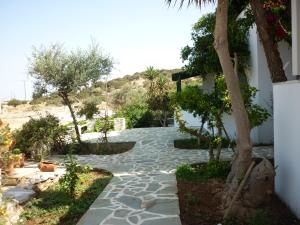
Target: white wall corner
{"points": [[296, 36]]}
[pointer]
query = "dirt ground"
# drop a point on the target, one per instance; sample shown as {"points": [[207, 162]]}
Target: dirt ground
{"points": [[17, 116], [200, 204]]}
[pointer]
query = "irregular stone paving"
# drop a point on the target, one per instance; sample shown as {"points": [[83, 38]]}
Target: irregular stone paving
{"points": [[143, 190]]}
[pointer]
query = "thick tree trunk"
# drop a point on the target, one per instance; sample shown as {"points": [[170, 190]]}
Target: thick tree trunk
{"points": [[243, 158], [270, 46], [262, 175], [68, 103]]}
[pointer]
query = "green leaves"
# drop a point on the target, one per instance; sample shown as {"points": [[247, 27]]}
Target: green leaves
{"points": [[211, 105], [40, 136], [201, 58], [56, 69], [70, 180]]}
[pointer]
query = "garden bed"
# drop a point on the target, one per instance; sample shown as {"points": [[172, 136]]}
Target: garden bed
{"points": [[192, 143], [54, 206], [100, 148], [200, 201]]}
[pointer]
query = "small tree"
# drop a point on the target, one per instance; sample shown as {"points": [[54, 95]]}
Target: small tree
{"points": [[210, 107], [58, 70], [158, 98]]}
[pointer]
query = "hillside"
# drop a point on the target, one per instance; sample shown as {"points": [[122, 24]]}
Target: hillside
{"points": [[119, 90]]}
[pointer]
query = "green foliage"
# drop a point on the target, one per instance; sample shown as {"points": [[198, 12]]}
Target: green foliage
{"points": [[158, 99], [209, 105], [15, 102], [70, 180], [55, 69], [202, 172], [202, 59], [38, 137], [64, 71], [89, 109], [16, 151], [87, 148], [261, 217], [136, 111], [192, 143], [56, 207], [136, 115], [100, 124]]}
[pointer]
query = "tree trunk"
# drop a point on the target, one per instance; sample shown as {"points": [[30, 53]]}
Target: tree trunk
{"points": [[244, 147], [68, 103], [201, 129], [219, 147], [270, 46]]}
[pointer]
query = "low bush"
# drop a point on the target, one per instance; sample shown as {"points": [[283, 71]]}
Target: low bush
{"points": [[39, 137], [69, 181], [87, 148], [15, 102], [204, 171], [89, 109], [137, 116], [100, 124], [192, 143]]}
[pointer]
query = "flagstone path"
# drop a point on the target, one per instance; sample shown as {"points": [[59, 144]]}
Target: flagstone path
{"points": [[143, 190]]}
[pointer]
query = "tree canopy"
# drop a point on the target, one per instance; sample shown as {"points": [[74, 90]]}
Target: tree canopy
{"points": [[202, 59], [62, 71]]}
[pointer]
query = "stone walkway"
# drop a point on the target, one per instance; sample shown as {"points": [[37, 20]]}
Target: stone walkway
{"points": [[143, 190]]}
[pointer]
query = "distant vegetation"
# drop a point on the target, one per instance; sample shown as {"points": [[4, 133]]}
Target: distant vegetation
{"points": [[120, 90], [15, 102]]}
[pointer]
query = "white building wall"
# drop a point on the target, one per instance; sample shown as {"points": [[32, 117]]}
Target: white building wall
{"points": [[287, 143]]}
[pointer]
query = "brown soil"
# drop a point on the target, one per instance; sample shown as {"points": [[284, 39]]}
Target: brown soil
{"points": [[200, 204]]}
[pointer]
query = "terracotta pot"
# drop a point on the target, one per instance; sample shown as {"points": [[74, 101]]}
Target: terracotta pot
{"points": [[47, 167], [1, 163], [10, 168]]}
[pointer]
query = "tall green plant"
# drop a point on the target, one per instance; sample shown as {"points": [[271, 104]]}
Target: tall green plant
{"points": [[158, 99]]}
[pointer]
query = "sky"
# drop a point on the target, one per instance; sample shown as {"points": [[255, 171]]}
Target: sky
{"points": [[135, 33]]}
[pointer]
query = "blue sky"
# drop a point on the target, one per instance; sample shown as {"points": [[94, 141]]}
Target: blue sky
{"points": [[136, 33]]}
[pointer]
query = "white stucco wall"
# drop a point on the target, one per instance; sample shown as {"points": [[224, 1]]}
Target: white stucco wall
{"points": [[287, 143], [259, 77]]}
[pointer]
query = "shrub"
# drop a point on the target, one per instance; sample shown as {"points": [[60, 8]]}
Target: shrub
{"points": [[204, 171], [136, 115], [70, 180], [100, 124], [89, 109], [38, 137], [15, 102], [185, 172]]}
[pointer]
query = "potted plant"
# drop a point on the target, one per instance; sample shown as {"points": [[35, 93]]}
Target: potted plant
{"points": [[7, 143]]}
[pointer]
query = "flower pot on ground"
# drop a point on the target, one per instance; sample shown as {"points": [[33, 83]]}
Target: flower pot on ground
{"points": [[10, 168], [47, 167]]}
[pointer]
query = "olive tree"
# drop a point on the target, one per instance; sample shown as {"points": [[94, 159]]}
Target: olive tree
{"points": [[61, 71]]}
